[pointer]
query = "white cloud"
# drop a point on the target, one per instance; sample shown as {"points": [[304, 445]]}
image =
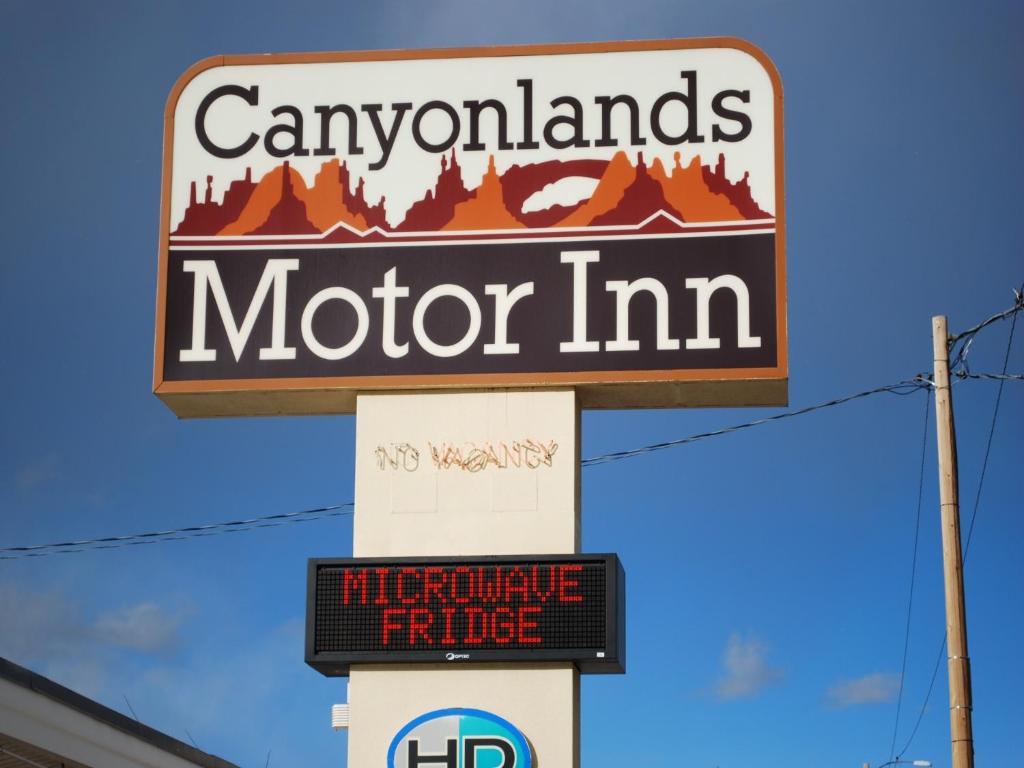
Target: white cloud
{"points": [[746, 670], [143, 627], [877, 688], [223, 693], [48, 633]]}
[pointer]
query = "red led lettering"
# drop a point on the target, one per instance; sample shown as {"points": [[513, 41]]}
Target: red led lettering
{"points": [[524, 625], [565, 584], [354, 582], [390, 626], [499, 603], [433, 584], [545, 594], [462, 571], [448, 614], [490, 591], [419, 620], [517, 583], [382, 586], [471, 637], [507, 627], [402, 597]]}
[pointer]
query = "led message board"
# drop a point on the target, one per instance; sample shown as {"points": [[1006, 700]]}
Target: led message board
{"points": [[607, 216], [452, 610]]}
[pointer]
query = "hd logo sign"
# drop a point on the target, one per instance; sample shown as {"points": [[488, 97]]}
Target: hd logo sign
{"points": [[459, 738]]}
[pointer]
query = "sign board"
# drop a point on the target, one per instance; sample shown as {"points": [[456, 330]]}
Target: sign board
{"points": [[458, 610], [459, 738], [605, 216]]}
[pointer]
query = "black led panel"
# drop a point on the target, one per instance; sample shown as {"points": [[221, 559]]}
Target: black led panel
{"points": [[466, 609]]}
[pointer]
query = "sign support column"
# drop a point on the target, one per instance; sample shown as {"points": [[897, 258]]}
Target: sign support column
{"points": [[477, 473], [465, 282]]}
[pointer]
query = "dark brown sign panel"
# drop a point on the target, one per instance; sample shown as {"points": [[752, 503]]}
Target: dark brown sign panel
{"points": [[459, 610], [602, 216]]}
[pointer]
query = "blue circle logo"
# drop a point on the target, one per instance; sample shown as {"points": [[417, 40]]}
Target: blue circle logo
{"points": [[459, 738]]}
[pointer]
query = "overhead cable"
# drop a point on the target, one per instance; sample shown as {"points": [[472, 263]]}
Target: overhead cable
{"points": [[965, 338], [906, 387], [913, 574], [991, 431], [175, 534], [1003, 377], [268, 521], [902, 388], [1000, 377]]}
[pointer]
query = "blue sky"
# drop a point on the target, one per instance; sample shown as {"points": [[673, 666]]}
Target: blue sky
{"points": [[768, 570]]}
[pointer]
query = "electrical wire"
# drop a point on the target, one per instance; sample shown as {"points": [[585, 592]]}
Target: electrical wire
{"points": [[921, 381], [913, 573], [927, 697], [959, 360], [175, 534], [981, 479], [1000, 377], [902, 388], [270, 521], [991, 433]]}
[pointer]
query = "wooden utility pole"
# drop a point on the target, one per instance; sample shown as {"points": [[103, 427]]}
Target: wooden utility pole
{"points": [[952, 558]]}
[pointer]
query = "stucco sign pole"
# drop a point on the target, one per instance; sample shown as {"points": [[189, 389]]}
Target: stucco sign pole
{"points": [[466, 248], [446, 506]]}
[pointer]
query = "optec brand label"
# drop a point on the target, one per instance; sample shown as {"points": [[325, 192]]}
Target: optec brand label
{"points": [[607, 216], [459, 738]]}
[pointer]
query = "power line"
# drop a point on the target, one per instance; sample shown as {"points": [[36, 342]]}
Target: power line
{"points": [[269, 521], [175, 534], [1003, 377], [1000, 377], [913, 573], [967, 337], [991, 432], [906, 387], [927, 696], [902, 388]]}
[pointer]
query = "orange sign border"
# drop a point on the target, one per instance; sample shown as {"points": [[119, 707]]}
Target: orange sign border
{"points": [[596, 389]]}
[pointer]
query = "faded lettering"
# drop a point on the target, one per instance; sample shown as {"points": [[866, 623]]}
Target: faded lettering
{"points": [[397, 456], [472, 457], [468, 456]]}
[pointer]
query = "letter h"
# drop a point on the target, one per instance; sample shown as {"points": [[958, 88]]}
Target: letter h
{"points": [[450, 759]]}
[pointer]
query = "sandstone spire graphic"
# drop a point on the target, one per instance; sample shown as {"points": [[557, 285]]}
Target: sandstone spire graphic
{"points": [[326, 203], [612, 185], [375, 215], [626, 195], [437, 207], [739, 193], [486, 208], [687, 192], [208, 217], [643, 198], [288, 216]]}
